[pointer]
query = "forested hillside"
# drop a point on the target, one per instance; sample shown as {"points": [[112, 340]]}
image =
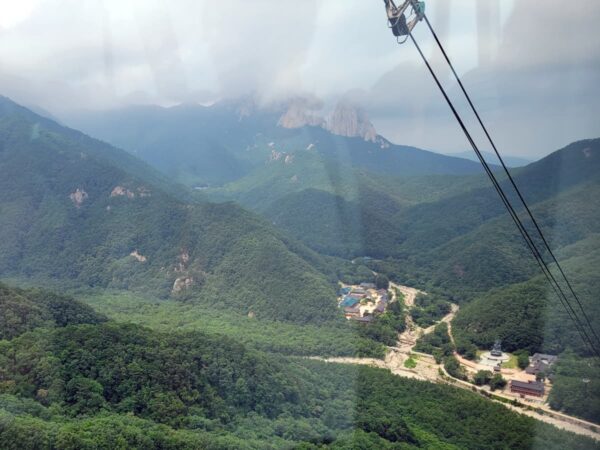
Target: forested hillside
{"points": [[448, 231], [468, 244], [109, 385], [23, 310], [79, 214], [448, 234], [529, 315], [71, 212]]}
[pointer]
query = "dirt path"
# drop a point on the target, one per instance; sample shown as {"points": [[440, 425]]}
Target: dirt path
{"points": [[394, 362], [559, 420], [553, 417], [428, 370], [563, 425], [409, 294], [408, 338]]}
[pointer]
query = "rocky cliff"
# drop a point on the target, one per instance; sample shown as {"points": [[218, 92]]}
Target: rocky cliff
{"points": [[351, 120]]}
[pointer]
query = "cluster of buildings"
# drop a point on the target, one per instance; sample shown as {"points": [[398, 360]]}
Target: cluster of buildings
{"points": [[362, 303], [540, 363]]}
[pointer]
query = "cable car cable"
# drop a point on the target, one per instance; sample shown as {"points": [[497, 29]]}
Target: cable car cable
{"points": [[509, 207], [511, 179]]}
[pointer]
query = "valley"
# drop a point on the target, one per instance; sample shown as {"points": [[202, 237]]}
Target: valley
{"points": [[282, 225], [231, 289]]}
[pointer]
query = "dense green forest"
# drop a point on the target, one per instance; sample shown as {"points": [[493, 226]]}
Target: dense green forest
{"points": [[287, 338], [429, 309], [113, 385], [576, 387], [445, 231], [72, 212], [528, 315], [437, 343], [23, 310], [437, 230], [358, 209]]}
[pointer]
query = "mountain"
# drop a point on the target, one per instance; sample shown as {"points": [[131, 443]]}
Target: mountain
{"points": [[491, 158], [346, 119], [302, 112], [286, 161], [566, 180], [348, 197], [528, 315], [351, 121], [374, 198], [212, 146], [77, 210], [478, 258]]}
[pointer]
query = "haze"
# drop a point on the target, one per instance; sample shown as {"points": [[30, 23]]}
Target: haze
{"points": [[533, 68]]}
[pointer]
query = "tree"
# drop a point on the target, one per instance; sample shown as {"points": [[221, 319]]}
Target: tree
{"points": [[540, 376], [497, 382], [523, 359], [471, 353], [454, 368], [84, 395], [438, 356], [382, 282], [482, 377]]}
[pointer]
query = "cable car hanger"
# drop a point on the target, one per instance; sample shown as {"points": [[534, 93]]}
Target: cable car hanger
{"points": [[398, 22], [402, 28]]}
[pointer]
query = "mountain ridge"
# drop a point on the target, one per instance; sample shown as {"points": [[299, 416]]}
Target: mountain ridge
{"points": [[214, 145], [509, 160], [71, 213]]}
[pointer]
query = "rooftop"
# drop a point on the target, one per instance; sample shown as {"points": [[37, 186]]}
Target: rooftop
{"points": [[348, 301], [535, 386], [364, 319], [548, 359]]}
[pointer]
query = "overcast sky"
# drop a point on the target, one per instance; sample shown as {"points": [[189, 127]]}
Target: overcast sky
{"points": [[532, 66]]}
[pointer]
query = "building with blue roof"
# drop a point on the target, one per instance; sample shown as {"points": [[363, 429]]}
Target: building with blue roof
{"points": [[345, 291], [348, 302]]}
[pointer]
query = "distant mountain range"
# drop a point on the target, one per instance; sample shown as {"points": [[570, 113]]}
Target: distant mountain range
{"points": [[510, 161], [225, 142]]}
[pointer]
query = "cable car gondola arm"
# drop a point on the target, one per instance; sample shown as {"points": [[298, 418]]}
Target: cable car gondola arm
{"points": [[401, 27]]}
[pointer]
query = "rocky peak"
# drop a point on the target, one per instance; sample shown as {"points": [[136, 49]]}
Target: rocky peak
{"points": [[351, 120], [301, 112]]}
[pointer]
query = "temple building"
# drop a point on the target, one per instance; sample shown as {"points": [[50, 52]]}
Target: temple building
{"points": [[534, 388]]}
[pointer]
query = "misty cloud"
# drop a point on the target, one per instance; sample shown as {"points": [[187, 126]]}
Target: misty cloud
{"points": [[538, 90], [531, 66]]}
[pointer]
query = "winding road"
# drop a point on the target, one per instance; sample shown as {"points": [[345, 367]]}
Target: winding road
{"points": [[428, 370]]}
